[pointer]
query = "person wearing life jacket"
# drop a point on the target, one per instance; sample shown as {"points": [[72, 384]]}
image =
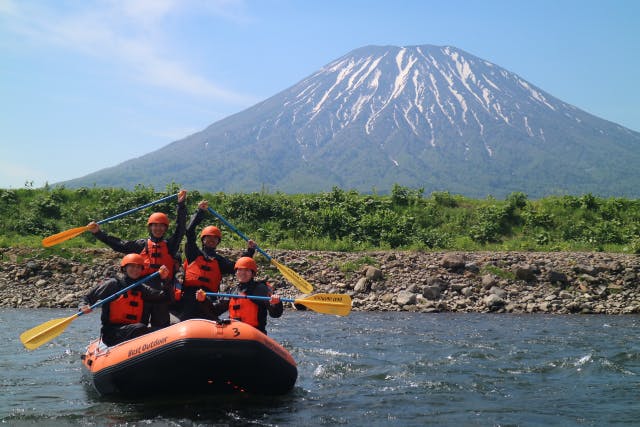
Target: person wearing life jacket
{"points": [[156, 251], [122, 318], [250, 311], [204, 267]]}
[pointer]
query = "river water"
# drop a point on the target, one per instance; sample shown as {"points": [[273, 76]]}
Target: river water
{"points": [[374, 369]]}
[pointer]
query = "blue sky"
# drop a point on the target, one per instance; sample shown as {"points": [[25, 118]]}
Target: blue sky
{"points": [[85, 85]]}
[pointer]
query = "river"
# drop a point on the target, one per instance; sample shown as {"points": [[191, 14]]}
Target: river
{"points": [[373, 369]]}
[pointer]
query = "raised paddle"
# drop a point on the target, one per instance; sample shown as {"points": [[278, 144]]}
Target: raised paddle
{"points": [[338, 304], [293, 277], [69, 234], [45, 332]]}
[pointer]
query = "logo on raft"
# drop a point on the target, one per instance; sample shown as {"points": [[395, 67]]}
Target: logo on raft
{"points": [[147, 346]]}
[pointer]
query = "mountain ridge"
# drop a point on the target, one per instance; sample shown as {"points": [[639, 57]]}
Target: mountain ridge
{"points": [[421, 116]]}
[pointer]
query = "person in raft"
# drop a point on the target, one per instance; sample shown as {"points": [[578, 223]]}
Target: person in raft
{"points": [[253, 312], [156, 251], [122, 318], [204, 268]]}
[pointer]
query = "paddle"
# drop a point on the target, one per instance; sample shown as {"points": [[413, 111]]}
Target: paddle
{"points": [[45, 332], [69, 234], [338, 304], [293, 277]]}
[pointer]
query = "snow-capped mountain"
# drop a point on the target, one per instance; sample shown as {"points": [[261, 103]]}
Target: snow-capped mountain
{"points": [[420, 116]]}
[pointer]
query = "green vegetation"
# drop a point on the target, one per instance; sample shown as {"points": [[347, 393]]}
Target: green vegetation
{"points": [[340, 220], [497, 271], [351, 267]]}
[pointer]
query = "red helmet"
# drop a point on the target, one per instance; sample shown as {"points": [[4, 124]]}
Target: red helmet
{"points": [[132, 259], [211, 230], [158, 218], [246, 262]]}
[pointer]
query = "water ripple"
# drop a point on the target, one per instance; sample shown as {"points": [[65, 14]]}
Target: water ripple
{"points": [[376, 369]]}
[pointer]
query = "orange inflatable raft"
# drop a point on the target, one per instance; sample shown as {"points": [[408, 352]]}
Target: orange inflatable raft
{"points": [[192, 356]]}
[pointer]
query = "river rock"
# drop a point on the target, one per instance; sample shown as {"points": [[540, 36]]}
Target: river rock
{"points": [[362, 285], [493, 302], [373, 273], [406, 298]]}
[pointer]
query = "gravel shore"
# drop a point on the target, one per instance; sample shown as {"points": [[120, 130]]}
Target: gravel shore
{"points": [[501, 282]]}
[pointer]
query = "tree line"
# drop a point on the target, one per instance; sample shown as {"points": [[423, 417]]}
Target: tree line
{"points": [[340, 220]]}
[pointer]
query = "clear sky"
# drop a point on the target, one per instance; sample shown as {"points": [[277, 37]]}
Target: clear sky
{"points": [[85, 85]]}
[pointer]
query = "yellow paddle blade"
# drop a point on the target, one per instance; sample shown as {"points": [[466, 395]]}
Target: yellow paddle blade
{"points": [[294, 278], [63, 236], [338, 304], [35, 337]]}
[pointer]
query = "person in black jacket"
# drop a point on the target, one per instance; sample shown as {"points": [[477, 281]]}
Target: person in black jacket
{"points": [[122, 318], [204, 267], [251, 311], [156, 251]]}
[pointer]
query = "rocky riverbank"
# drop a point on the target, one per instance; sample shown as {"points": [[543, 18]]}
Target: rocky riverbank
{"points": [[513, 282]]}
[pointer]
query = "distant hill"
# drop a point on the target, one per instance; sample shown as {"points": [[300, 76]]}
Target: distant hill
{"points": [[427, 117]]}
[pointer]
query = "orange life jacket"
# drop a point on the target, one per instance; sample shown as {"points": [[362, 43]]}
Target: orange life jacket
{"points": [[244, 310], [127, 308], [155, 255], [203, 273]]}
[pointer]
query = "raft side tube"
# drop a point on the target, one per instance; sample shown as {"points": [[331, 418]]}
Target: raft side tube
{"points": [[195, 355]]}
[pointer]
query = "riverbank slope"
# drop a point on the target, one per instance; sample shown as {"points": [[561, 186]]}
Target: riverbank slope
{"points": [[513, 282]]}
